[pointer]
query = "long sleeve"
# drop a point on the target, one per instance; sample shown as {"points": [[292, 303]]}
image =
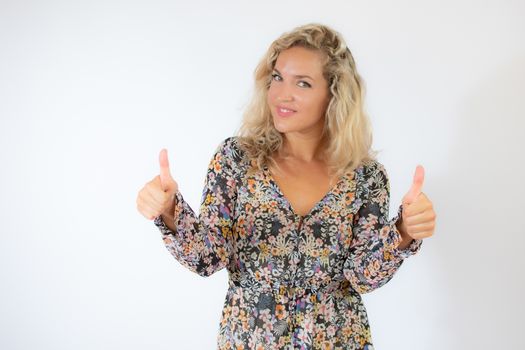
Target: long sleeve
{"points": [[374, 258], [203, 244]]}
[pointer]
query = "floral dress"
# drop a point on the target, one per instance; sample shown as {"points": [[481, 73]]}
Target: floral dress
{"points": [[294, 281]]}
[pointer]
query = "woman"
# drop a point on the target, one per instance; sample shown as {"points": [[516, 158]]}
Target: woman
{"points": [[295, 206]]}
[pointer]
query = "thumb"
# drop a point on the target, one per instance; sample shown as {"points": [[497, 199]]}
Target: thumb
{"points": [[417, 184], [166, 181]]}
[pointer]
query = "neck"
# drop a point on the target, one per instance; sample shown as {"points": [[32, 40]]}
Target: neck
{"points": [[306, 148]]}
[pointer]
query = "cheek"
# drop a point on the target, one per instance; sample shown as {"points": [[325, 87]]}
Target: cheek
{"points": [[270, 95], [322, 104], [316, 105]]}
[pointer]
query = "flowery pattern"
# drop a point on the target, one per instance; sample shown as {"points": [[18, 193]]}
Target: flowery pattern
{"points": [[294, 281]]}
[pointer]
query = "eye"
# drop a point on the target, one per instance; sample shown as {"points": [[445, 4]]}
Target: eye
{"points": [[304, 84], [276, 76]]}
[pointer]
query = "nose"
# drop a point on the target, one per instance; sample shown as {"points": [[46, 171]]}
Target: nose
{"points": [[285, 98], [284, 95]]}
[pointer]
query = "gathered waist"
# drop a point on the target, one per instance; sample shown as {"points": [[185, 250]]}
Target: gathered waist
{"points": [[287, 288]]}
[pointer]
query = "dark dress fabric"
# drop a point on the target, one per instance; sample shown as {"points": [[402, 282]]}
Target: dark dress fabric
{"points": [[294, 281]]}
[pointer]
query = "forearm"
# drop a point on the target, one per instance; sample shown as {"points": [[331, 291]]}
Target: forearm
{"points": [[195, 241], [374, 257], [371, 267]]}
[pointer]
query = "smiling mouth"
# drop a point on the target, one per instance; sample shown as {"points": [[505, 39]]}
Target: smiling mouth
{"points": [[285, 112]]}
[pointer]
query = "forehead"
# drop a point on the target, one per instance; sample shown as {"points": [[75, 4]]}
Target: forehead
{"points": [[299, 60]]}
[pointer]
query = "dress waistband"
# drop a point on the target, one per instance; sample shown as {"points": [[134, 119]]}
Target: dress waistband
{"points": [[285, 287]]}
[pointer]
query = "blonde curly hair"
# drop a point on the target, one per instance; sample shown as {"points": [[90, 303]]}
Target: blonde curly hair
{"points": [[347, 129]]}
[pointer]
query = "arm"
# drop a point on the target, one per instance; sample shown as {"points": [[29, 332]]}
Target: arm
{"points": [[375, 251], [203, 244]]}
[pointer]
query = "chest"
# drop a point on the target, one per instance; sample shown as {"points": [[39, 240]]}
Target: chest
{"points": [[303, 186], [271, 243]]}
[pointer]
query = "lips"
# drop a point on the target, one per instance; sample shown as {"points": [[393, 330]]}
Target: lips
{"points": [[284, 111]]}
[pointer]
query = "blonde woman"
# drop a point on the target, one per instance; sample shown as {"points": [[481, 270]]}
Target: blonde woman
{"points": [[295, 206]]}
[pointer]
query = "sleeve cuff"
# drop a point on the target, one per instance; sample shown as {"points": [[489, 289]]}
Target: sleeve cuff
{"points": [[179, 207], [414, 246]]}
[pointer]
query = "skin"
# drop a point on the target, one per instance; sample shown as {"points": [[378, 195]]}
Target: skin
{"points": [[305, 179], [418, 219], [309, 96], [156, 197]]}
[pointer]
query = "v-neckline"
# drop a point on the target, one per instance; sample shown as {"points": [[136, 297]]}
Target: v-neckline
{"points": [[269, 175]]}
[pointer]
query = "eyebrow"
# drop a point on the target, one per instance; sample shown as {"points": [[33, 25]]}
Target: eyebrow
{"points": [[297, 76]]}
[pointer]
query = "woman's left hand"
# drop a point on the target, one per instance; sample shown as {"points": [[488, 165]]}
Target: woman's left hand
{"points": [[418, 219]]}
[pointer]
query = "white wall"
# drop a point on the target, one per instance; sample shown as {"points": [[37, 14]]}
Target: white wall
{"points": [[91, 91]]}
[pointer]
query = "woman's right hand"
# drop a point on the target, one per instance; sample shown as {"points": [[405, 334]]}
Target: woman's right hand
{"points": [[157, 196]]}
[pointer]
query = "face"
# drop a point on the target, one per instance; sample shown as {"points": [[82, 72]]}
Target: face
{"points": [[298, 94]]}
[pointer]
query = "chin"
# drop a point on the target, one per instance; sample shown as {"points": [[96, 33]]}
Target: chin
{"points": [[282, 128]]}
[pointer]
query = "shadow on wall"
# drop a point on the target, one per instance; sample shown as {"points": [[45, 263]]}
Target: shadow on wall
{"points": [[483, 235]]}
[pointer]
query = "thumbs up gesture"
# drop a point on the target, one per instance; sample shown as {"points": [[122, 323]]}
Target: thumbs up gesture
{"points": [[418, 217], [157, 196]]}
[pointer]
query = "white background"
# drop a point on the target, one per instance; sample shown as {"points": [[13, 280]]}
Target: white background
{"points": [[91, 91]]}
